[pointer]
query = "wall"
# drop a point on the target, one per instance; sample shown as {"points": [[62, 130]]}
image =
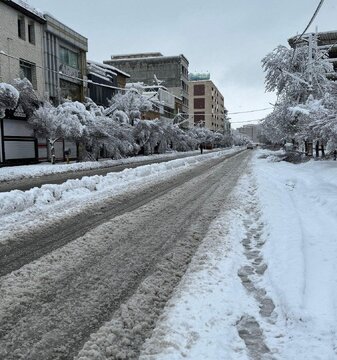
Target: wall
{"points": [[13, 45], [207, 104], [166, 68]]}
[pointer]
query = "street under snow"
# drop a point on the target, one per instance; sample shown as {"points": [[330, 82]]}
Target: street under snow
{"points": [[228, 255]]}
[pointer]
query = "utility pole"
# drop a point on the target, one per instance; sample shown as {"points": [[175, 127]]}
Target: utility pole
{"points": [[310, 40]]}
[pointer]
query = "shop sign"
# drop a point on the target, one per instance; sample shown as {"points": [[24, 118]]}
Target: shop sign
{"points": [[69, 71]]}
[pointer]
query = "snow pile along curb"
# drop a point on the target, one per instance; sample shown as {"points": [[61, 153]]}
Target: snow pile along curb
{"points": [[17, 200]]}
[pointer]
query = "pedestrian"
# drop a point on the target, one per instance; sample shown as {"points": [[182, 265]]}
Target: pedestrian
{"points": [[201, 146]]}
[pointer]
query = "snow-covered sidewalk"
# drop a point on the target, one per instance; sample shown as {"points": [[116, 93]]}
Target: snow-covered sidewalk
{"points": [[46, 168], [263, 285]]}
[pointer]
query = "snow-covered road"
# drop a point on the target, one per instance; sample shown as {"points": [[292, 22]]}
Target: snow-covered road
{"points": [[135, 248], [262, 285]]}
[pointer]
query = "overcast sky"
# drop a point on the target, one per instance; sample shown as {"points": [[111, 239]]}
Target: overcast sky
{"points": [[226, 38]]}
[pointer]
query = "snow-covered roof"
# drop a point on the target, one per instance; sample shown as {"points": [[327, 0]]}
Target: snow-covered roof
{"points": [[26, 8], [97, 69], [110, 67], [106, 78]]}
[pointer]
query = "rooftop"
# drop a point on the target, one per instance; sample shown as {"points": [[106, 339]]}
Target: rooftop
{"points": [[108, 67], [26, 9], [139, 55], [142, 56]]}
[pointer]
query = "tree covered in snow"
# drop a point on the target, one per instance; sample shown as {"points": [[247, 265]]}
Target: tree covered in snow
{"points": [[28, 99], [304, 94], [239, 139], [56, 123], [132, 104], [9, 97], [110, 130]]}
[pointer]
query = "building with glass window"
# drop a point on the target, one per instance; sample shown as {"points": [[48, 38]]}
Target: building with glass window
{"points": [[21, 44], [21, 55], [52, 57], [65, 60], [207, 104]]}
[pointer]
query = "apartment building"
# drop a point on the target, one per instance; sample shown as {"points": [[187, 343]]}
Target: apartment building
{"points": [[21, 55], [155, 68], [252, 131], [207, 104], [52, 57]]}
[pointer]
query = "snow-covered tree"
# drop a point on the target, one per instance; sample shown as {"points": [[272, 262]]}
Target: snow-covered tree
{"points": [[28, 99], [299, 82], [56, 123], [9, 98], [131, 103]]}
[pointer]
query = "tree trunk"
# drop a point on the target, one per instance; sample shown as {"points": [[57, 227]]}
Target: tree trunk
{"points": [[323, 151], [317, 149]]}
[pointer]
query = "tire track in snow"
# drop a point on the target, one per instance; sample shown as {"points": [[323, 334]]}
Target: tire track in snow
{"points": [[31, 245], [49, 308]]}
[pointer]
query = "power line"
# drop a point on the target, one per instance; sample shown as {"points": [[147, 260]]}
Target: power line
{"points": [[307, 27], [86, 81], [245, 121], [311, 20], [249, 111]]}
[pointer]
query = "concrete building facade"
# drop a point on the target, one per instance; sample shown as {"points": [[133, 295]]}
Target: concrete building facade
{"points": [[65, 62], [21, 55], [21, 44], [252, 131], [207, 105], [52, 57], [150, 68]]}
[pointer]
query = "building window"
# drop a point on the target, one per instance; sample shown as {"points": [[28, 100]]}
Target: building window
{"points": [[184, 70], [69, 58], [198, 90], [184, 85], [31, 33], [28, 70], [199, 117], [199, 103], [21, 27]]}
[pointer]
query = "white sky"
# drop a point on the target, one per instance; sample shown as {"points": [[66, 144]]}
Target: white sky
{"points": [[226, 38]]}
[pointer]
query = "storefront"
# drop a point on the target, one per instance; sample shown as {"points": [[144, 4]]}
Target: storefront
{"points": [[18, 143]]}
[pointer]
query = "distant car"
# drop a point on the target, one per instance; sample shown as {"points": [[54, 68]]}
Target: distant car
{"points": [[250, 146]]}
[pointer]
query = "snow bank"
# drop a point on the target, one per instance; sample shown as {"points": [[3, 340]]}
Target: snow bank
{"points": [[30, 171], [17, 200]]}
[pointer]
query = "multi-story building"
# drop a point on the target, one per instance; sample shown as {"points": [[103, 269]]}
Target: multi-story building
{"points": [[207, 104], [65, 61], [21, 55], [154, 68], [52, 57], [252, 131]]}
